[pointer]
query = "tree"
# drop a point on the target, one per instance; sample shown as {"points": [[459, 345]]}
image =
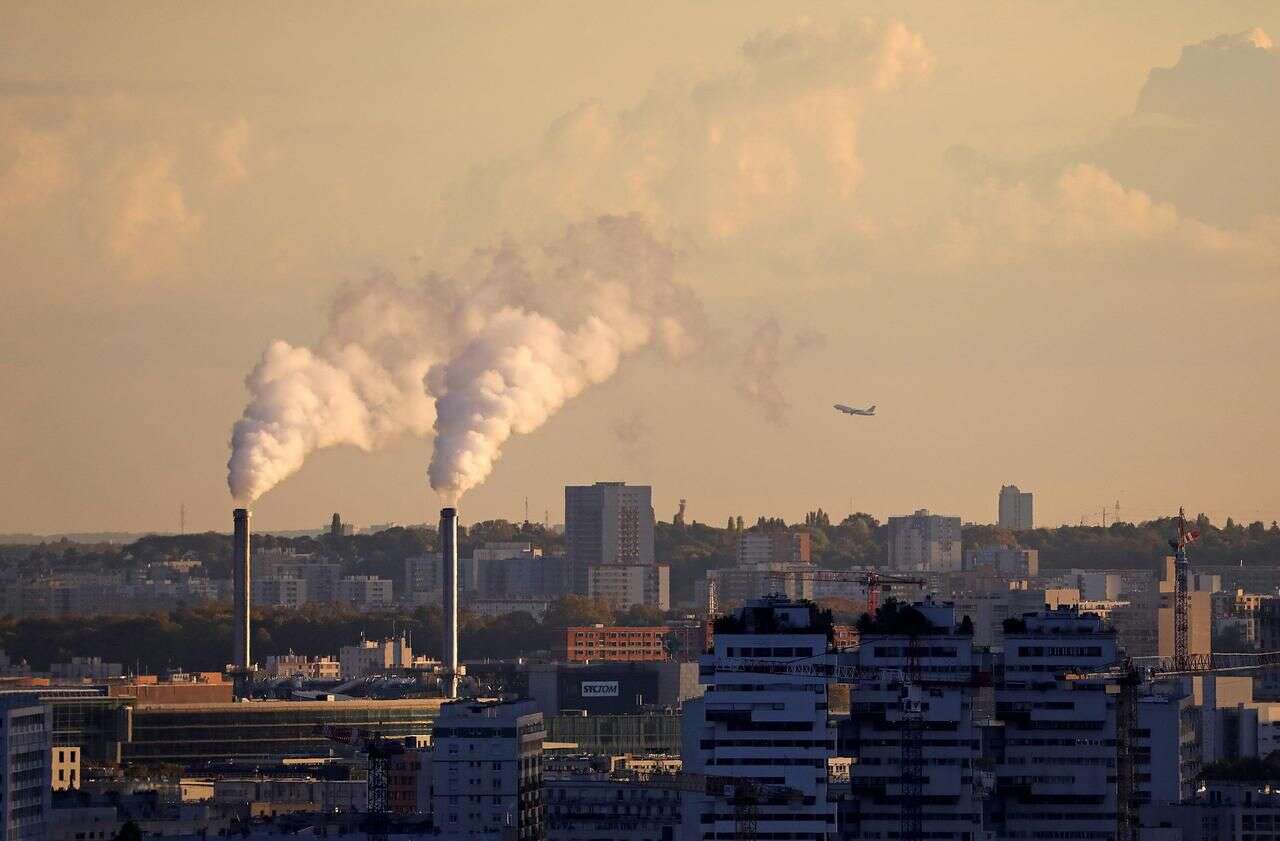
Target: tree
{"points": [[129, 832]]}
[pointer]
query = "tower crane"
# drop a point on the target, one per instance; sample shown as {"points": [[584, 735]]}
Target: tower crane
{"points": [[1181, 594], [379, 749], [871, 579]]}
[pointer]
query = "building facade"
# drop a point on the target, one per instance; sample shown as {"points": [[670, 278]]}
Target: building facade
{"points": [[26, 773], [767, 729], [486, 769], [616, 644], [609, 523], [776, 547], [924, 542]]}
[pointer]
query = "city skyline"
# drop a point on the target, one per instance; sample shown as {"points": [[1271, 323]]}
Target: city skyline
{"points": [[173, 210]]}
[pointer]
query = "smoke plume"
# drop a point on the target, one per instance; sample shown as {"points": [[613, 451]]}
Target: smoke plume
{"points": [[491, 352]]}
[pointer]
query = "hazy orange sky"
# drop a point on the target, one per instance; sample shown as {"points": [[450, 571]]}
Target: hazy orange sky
{"points": [[1044, 238]]}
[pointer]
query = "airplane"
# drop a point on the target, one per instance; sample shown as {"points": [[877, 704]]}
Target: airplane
{"points": [[849, 410]]}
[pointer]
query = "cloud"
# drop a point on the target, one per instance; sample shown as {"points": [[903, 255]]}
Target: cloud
{"points": [[1086, 214], [230, 143], [34, 167], [771, 145], [148, 224], [129, 178]]}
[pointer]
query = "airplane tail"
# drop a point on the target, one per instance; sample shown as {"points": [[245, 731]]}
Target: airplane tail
{"points": [[873, 408]]}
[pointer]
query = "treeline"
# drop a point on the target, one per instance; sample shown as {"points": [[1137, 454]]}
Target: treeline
{"points": [[199, 639]]}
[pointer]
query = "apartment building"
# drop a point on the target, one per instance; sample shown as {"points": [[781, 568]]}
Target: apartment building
{"points": [[1056, 764], [486, 768], [925, 542], [770, 729], [901, 731]]}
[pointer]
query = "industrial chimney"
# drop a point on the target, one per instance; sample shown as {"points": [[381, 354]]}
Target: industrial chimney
{"points": [[449, 567], [240, 578]]}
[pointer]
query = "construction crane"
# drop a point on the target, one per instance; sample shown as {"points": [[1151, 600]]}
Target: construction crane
{"points": [[1181, 593], [742, 793], [379, 750], [871, 580]]}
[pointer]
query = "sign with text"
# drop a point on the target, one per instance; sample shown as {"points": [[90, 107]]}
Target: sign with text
{"points": [[599, 689]]}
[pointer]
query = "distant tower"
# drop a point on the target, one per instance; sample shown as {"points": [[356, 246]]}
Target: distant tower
{"points": [[678, 519], [335, 525], [1015, 509]]}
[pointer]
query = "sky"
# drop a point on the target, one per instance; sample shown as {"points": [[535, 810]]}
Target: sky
{"points": [[485, 250]]}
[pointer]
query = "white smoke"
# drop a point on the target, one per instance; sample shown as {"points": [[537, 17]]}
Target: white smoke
{"points": [[494, 351]]}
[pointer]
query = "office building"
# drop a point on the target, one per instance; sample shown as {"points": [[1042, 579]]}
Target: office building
{"points": [[775, 547], [612, 688], [486, 770], [768, 729], [924, 542], [591, 807], [1199, 611], [938, 714], [26, 772], [1015, 509]]}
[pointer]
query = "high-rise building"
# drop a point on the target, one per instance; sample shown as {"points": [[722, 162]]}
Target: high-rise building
{"points": [[26, 767], [1015, 509], [770, 730], [948, 741], [486, 769], [1057, 764], [609, 523], [924, 542]]}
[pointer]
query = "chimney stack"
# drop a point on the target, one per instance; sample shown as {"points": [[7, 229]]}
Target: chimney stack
{"points": [[240, 577], [449, 565]]}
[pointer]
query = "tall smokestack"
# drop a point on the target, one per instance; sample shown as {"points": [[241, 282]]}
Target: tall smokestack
{"points": [[449, 563], [240, 575]]}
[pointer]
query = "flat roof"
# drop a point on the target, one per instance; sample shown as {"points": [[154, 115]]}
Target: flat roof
{"points": [[284, 706]]}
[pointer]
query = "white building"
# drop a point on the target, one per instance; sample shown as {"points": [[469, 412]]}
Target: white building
{"points": [[768, 729], [300, 665], [1055, 777], [1015, 509], [369, 657], [26, 771], [85, 668], [486, 770], [937, 713], [924, 542]]}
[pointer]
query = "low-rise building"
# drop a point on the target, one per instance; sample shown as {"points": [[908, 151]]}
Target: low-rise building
{"points": [[614, 644]]}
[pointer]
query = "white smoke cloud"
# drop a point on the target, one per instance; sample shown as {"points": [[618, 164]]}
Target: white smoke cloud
{"points": [[513, 375], [764, 356], [492, 352]]}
